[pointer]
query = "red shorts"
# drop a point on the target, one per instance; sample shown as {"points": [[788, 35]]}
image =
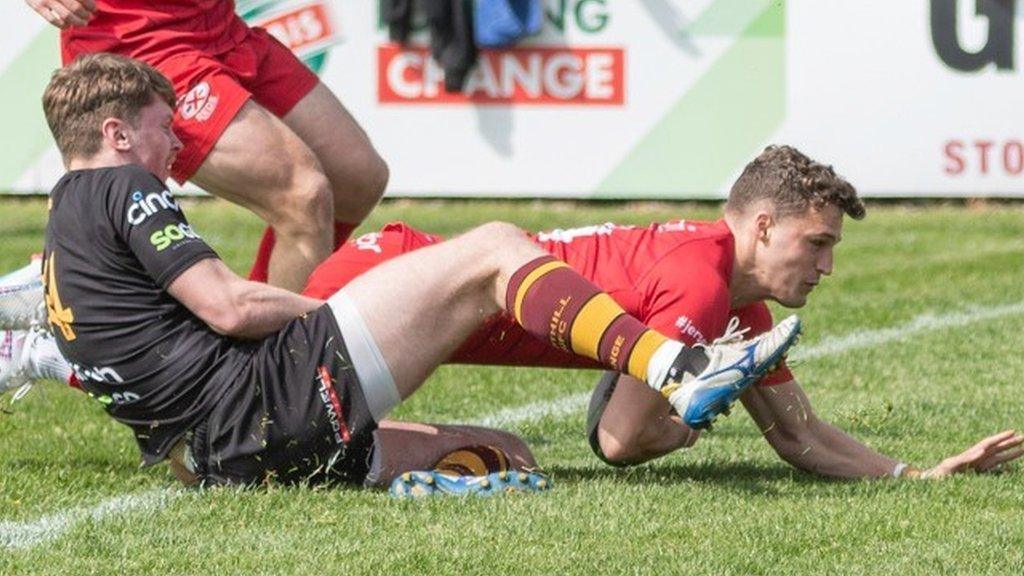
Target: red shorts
{"points": [[213, 85]]}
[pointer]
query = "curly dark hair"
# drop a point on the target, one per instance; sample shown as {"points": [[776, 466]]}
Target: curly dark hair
{"points": [[793, 183]]}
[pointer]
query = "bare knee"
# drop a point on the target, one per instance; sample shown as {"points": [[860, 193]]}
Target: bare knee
{"points": [[498, 232], [356, 195], [501, 242], [306, 207]]}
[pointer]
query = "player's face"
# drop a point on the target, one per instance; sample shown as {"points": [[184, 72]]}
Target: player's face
{"points": [[154, 145], [798, 252]]}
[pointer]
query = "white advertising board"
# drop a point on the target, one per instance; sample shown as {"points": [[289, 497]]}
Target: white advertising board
{"points": [[641, 99]]}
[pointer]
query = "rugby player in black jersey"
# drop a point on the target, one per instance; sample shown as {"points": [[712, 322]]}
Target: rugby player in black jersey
{"points": [[237, 382]]}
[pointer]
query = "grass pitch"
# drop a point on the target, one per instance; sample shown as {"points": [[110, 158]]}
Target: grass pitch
{"points": [[914, 346]]}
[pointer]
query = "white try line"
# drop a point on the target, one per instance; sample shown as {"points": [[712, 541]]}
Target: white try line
{"points": [[23, 535], [575, 403]]}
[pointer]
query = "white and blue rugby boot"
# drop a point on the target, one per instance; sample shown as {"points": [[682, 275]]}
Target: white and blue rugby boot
{"points": [[21, 298], [733, 366], [414, 485]]}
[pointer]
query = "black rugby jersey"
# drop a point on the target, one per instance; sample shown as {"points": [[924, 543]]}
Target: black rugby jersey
{"points": [[116, 238]]}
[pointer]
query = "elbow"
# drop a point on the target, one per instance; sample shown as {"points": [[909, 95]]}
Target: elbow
{"points": [[226, 319], [225, 324], [616, 452], [637, 445]]}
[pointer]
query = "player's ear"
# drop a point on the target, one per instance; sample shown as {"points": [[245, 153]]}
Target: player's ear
{"points": [[763, 223], [115, 134]]}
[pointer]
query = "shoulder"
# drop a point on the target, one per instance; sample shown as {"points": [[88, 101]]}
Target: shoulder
{"points": [[134, 175], [707, 245], [757, 317]]}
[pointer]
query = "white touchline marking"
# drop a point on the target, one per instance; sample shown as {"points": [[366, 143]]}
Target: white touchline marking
{"points": [[920, 323], [571, 404], [23, 535], [535, 411]]}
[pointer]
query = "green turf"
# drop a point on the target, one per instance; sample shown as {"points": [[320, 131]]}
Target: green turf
{"points": [[727, 506]]}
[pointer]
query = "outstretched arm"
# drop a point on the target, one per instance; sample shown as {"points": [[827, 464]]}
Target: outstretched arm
{"points": [[789, 424]]}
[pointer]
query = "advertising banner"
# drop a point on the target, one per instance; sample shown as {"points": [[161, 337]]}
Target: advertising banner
{"points": [[638, 99]]}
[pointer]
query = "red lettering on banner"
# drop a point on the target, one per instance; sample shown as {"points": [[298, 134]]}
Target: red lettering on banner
{"points": [[528, 75], [982, 156], [1013, 157], [301, 27], [954, 155], [983, 147]]}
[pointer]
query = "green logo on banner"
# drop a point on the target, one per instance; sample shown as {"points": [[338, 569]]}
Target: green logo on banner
{"points": [[306, 28], [724, 118]]}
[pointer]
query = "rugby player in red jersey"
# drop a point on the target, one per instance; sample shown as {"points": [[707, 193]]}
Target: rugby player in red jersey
{"points": [[696, 282], [257, 126]]}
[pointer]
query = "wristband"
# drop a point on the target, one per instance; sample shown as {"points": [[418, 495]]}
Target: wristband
{"points": [[904, 470]]}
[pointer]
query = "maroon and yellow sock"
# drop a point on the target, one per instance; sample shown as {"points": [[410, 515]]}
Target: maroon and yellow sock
{"points": [[553, 302], [261, 267], [477, 460]]}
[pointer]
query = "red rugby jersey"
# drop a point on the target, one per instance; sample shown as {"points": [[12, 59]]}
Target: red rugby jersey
{"points": [[674, 277], [155, 29]]}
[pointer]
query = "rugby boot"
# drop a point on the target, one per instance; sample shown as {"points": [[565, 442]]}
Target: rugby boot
{"points": [[15, 349], [414, 485], [21, 298], [733, 365]]}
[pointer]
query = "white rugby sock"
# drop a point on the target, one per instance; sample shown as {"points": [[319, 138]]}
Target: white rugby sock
{"points": [[661, 362], [44, 360]]}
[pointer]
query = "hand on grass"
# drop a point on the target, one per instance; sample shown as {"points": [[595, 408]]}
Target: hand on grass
{"points": [[64, 13], [983, 456]]}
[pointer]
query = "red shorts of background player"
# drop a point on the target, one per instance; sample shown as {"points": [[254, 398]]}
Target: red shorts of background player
{"points": [[213, 83]]}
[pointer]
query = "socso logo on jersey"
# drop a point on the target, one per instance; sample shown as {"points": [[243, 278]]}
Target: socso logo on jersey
{"points": [[162, 239], [145, 205], [198, 103]]}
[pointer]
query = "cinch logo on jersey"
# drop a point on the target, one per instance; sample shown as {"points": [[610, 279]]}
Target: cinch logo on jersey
{"points": [[102, 375], [145, 205], [333, 406], [162, 239], [687, 328], [531, 75], [198, 103]]}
